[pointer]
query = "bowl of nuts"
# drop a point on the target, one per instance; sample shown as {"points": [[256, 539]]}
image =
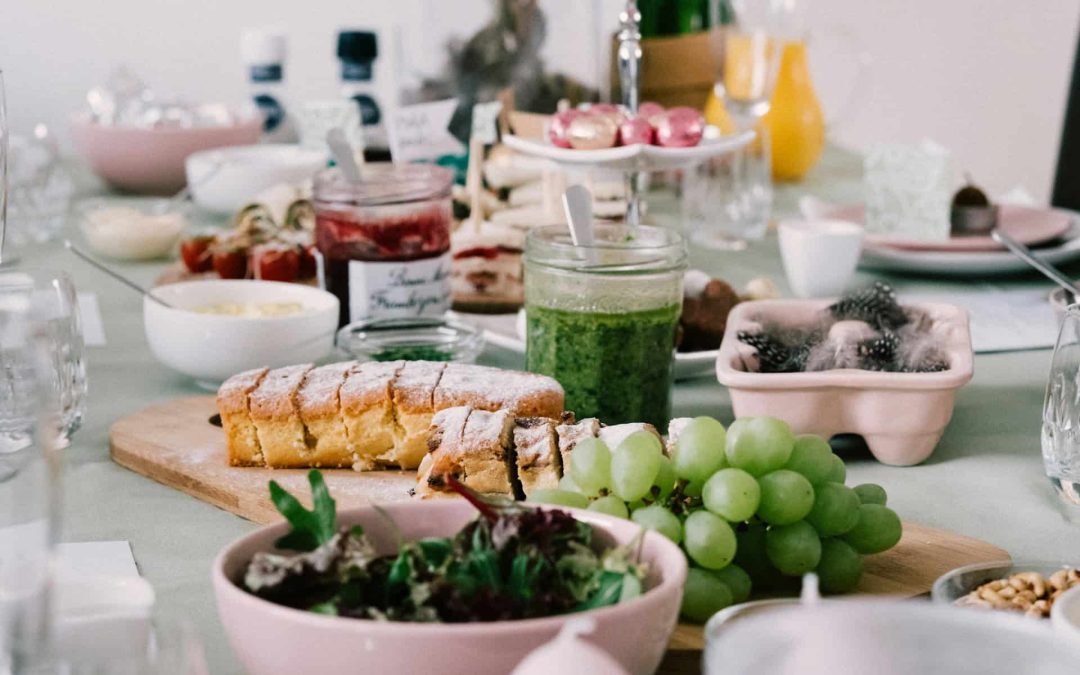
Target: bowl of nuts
{"points": [[1030, 588]]}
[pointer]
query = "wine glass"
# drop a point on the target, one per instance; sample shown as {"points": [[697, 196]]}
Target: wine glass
{"points": [[1061, 415], [50, 301], [729, 198], [29, 483]]}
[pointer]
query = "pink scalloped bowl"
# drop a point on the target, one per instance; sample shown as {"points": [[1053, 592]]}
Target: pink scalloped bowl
{"points": [[151, 161], [901, 416], [272, 639]]}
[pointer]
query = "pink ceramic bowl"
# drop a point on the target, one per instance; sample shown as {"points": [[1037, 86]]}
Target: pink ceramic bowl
{"points": [[271, 639], [900, 415], [151, 161]]}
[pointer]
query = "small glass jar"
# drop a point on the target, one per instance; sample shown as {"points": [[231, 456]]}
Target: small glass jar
{"points": [[385, 240], [602, 319]]}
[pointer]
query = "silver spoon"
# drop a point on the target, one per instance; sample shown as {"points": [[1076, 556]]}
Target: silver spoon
{"points": [[114, 274], [1048, 270]]}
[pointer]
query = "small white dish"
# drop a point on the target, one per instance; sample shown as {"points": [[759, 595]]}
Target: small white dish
{"points": [[131, 228], [819, 255], [226, 179], [213, 347], [101, 618]]}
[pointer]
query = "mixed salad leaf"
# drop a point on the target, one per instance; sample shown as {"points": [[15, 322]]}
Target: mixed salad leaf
{"points": [[511, 562]]}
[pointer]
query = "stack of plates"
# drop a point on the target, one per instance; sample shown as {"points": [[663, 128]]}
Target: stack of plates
{"points": [[1053, 234]]}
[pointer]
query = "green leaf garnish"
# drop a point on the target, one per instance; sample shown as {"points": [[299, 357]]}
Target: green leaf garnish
{"points": [[311, 529]]}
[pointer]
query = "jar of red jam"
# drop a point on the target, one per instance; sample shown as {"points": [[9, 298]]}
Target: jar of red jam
{"points": [[385, 240]]}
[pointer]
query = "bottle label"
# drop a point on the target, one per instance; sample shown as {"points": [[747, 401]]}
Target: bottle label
{"points": [[271, 72], [369, 109], [399, 289], [273, 112]]}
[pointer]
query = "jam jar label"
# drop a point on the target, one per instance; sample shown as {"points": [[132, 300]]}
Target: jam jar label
{"points": [[399, 289]]}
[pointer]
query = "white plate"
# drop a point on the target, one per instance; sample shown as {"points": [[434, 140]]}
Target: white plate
{"points": [[966, 264], [508, 332], [632, 157]]}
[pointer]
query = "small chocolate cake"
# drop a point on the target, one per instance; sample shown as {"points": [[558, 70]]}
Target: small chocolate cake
{"points": [[704, 316]]}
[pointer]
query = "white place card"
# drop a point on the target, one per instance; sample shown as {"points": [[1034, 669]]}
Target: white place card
{"points": [[421, 132], [96, 558], [1003, 320]]}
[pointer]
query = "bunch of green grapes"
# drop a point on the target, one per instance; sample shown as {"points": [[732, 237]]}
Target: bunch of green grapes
{"points": [[753, 506]]}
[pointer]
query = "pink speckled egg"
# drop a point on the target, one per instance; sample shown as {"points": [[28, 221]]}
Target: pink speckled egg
{"points": [[635, 130], [592, 132], [560, 122], [680, 128], [650, 110]]}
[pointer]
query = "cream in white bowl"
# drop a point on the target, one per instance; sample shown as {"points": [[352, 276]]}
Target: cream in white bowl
{"points": [[212, 347], [225, 179]]}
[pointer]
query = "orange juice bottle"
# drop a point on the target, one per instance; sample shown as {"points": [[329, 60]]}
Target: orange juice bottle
{"points": [[795, 120]]}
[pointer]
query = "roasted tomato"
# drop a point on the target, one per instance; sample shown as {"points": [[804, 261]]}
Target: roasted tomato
{"points": [[277, 264], [231, 263], [195, 253]]}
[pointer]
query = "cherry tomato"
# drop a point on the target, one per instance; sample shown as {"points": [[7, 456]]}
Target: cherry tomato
{"points": [[231, 263], [196, 255], [277, 264]]}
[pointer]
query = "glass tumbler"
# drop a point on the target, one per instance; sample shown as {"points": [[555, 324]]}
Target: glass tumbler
{"points": [[48, 298], [29, 485], [602, 319], [1061, 413]]}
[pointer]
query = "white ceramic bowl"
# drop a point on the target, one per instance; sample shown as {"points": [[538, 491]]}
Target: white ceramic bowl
{"points": [[1065, 615], [271, 639], [226, 179], [212, 347]]}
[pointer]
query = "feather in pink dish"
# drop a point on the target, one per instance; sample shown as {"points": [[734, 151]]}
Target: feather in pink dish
{"points": [[901, 415]]}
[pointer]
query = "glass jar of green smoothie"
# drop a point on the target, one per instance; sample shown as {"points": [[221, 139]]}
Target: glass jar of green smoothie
{"points": [[601, 319]]}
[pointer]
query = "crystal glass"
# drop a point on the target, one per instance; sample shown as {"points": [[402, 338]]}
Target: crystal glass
{"points": [[1061, 414], [731, 197], [48, 298], [29, 485]]}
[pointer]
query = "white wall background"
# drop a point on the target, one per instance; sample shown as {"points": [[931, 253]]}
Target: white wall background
{"points": [[985, 77]]}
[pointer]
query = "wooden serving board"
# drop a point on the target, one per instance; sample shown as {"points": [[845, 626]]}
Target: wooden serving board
{"points": [[175, 444]]}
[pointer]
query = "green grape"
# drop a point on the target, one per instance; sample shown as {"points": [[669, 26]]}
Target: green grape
{"points": [[786, 497], [703, 595], [759, 445], [836, 509], [665, 479], [878, 529], [574, 500], [590, 466], [699, 449], [708, 540], [751, 556], [837, 472], [871, 493], [736, 579], [567, 483], [840, 567], [611, 505], [634, 465], [659, 519], [812, 457], [794, 549], [732, 494]]}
